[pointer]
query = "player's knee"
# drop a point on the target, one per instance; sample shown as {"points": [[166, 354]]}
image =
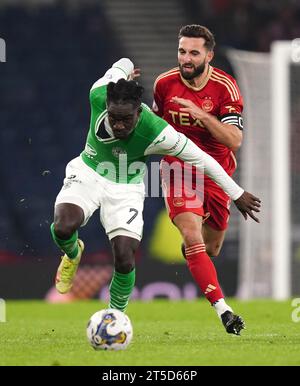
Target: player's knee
{"points": [[65, 229], [124, 249], [67, 220], [191, 237], [124, 258], [124, 262], [213, 249]]}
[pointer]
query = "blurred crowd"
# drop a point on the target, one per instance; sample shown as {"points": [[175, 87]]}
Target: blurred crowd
{"points": [[248, 24], [44, 110]]}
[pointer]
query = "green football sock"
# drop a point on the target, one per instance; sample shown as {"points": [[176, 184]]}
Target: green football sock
{"points": [[120, 289], [70, 246]]}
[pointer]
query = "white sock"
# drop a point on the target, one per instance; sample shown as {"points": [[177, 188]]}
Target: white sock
{"points": [[220, 306]]}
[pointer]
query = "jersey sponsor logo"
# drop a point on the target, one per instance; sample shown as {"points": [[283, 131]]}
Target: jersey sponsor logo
{"points": [[177, 143], [90, 151], [70, 181], [184, 119], [207, 105], [117, 151]]}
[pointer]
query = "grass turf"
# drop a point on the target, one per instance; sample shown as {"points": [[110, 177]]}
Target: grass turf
{"points": [[165, 333]]}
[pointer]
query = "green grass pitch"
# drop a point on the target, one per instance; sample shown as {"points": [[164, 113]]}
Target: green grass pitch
{"points": [[165, 333]]}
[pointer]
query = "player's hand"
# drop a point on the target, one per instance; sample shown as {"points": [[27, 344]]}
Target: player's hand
{"points": [[189, 107], [247, 204], [135, 74]]}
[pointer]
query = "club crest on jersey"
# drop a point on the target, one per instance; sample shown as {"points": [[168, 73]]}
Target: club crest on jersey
{"points": [[178, 201], [207, 105], [117, 151]]}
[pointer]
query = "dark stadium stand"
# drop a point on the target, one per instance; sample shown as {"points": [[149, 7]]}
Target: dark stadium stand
{"points": [[54, 56]]}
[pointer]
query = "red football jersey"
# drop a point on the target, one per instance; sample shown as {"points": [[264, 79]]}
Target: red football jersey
{"points": [[218, 95]]}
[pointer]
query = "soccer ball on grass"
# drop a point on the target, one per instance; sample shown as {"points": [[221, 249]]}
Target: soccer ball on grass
{"points": [[109, 330]]}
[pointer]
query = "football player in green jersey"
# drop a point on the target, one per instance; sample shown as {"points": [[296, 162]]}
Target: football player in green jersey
{"points": [[109, 175]]}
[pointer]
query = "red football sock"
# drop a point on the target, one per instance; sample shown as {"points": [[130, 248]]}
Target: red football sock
{"points": [[204, 272]]}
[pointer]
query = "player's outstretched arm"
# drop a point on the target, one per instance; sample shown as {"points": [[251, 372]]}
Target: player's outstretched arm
{"points": [[244, 201], [135, 74], [170, 142], [123, 68]]}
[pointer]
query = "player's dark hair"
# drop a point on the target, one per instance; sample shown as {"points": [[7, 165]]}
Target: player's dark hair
{"points": [[125, 91], [198, 31]]}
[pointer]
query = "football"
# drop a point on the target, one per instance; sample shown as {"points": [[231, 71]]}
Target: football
{"points": [[109, 330]]}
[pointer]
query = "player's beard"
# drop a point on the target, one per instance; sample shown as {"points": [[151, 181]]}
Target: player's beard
{"points": [[191, 75]]}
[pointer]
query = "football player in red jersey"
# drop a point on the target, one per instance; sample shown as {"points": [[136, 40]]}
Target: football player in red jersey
{"points": [[205, 104]]}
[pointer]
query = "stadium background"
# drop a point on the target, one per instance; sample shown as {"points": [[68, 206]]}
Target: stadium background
{"points": [[55, 51]]}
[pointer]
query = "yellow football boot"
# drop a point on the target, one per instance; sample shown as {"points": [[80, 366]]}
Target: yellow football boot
{"points": [[67, 270]]}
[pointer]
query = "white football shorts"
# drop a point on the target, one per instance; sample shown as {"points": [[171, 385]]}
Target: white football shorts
{"points": [[121, 205]]}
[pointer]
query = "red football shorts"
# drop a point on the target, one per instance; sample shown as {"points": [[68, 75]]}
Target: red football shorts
{"points": [[186, 189]]}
